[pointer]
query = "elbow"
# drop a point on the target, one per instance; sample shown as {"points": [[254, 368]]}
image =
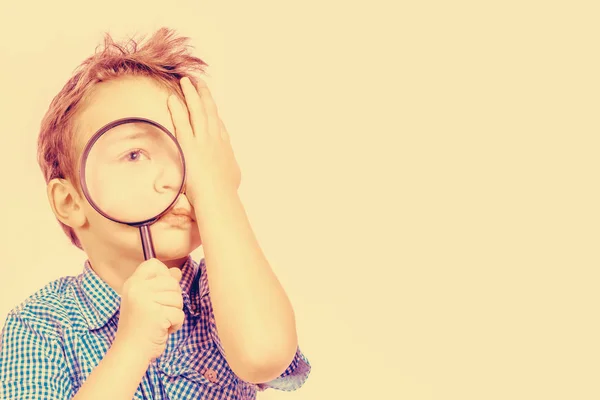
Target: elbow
{"points": [[266, 366]]}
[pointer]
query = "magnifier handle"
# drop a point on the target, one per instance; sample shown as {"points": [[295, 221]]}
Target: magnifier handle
{"points": [[147, 244]]}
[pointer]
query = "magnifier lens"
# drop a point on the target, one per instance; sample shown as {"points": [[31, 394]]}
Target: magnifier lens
{"points": [[134, 172]]}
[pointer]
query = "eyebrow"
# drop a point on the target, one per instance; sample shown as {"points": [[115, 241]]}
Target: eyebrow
{"points": [[136, 135], [135, 132], [113, 142]]}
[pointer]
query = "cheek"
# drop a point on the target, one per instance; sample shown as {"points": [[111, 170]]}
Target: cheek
{"points": [[197, 239], [110, 230], [126, 194]]}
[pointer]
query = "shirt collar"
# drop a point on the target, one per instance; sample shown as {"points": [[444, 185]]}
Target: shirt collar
{"points": [[100, 302], [194, 285]]}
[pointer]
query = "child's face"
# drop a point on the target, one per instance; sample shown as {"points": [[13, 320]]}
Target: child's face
{"points": [[130, 97]]}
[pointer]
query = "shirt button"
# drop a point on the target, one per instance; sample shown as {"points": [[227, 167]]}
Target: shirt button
{"points": [[211, 375]]}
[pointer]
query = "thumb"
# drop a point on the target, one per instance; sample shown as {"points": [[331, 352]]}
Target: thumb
{"points": [[175, 273]]}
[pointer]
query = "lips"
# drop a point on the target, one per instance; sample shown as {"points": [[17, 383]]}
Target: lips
{"points": [[180, 212], [178, 217]]}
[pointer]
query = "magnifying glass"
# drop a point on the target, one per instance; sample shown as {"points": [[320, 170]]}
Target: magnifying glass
{"points": [[132, 171]]}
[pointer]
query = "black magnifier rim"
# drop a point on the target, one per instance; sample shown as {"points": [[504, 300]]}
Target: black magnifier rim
{"points": [[91, 143]]}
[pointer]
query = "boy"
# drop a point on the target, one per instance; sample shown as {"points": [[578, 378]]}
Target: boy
{"points": [[166, 328]]}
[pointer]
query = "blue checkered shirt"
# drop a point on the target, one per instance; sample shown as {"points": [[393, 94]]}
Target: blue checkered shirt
{"points": [[54, 340]]}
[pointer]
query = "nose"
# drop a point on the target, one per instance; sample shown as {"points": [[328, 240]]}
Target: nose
{"points": [[169, 178]]}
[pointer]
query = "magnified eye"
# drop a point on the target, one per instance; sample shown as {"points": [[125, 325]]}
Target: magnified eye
{"points": [[134, 155]]}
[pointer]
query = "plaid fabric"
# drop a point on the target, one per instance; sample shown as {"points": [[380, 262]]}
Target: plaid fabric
{"points": [[54, 340]]}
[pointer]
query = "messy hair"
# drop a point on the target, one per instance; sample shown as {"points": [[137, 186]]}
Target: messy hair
{"points": [[164, 58]]}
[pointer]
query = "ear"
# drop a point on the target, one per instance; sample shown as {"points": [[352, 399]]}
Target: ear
{"points": [[66, 203]]}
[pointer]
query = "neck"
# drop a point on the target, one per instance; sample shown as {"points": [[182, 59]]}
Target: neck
{"points": [[116, 269]]}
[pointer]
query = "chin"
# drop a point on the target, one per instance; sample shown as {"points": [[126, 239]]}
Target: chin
{"points": [[171, 255], [174, 244]]}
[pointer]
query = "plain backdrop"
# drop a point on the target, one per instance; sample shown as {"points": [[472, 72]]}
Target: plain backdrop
{"points": [[422, 176]]}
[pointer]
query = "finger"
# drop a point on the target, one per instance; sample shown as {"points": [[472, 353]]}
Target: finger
{"points": [[210, 107], [174, 328], [164, 284], [151, 268], [169, 299], [195, 107], [175, 317], [180, 118], [224, 133], [176, 273]]}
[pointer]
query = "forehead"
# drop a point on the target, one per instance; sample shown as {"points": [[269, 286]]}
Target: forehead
{"points": [[120, 98]]}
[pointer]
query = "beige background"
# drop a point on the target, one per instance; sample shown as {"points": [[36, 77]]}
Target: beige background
{"points": [[423, 179]]}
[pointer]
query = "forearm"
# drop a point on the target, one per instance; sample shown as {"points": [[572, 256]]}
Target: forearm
{"points": [[253, 314], [116, 377]]}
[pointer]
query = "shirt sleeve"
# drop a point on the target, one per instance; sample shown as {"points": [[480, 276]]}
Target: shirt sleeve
{"points": [[32, 366]]}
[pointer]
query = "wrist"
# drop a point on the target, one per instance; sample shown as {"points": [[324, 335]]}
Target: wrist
{"points": [[208, 199], [127, 351]]}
